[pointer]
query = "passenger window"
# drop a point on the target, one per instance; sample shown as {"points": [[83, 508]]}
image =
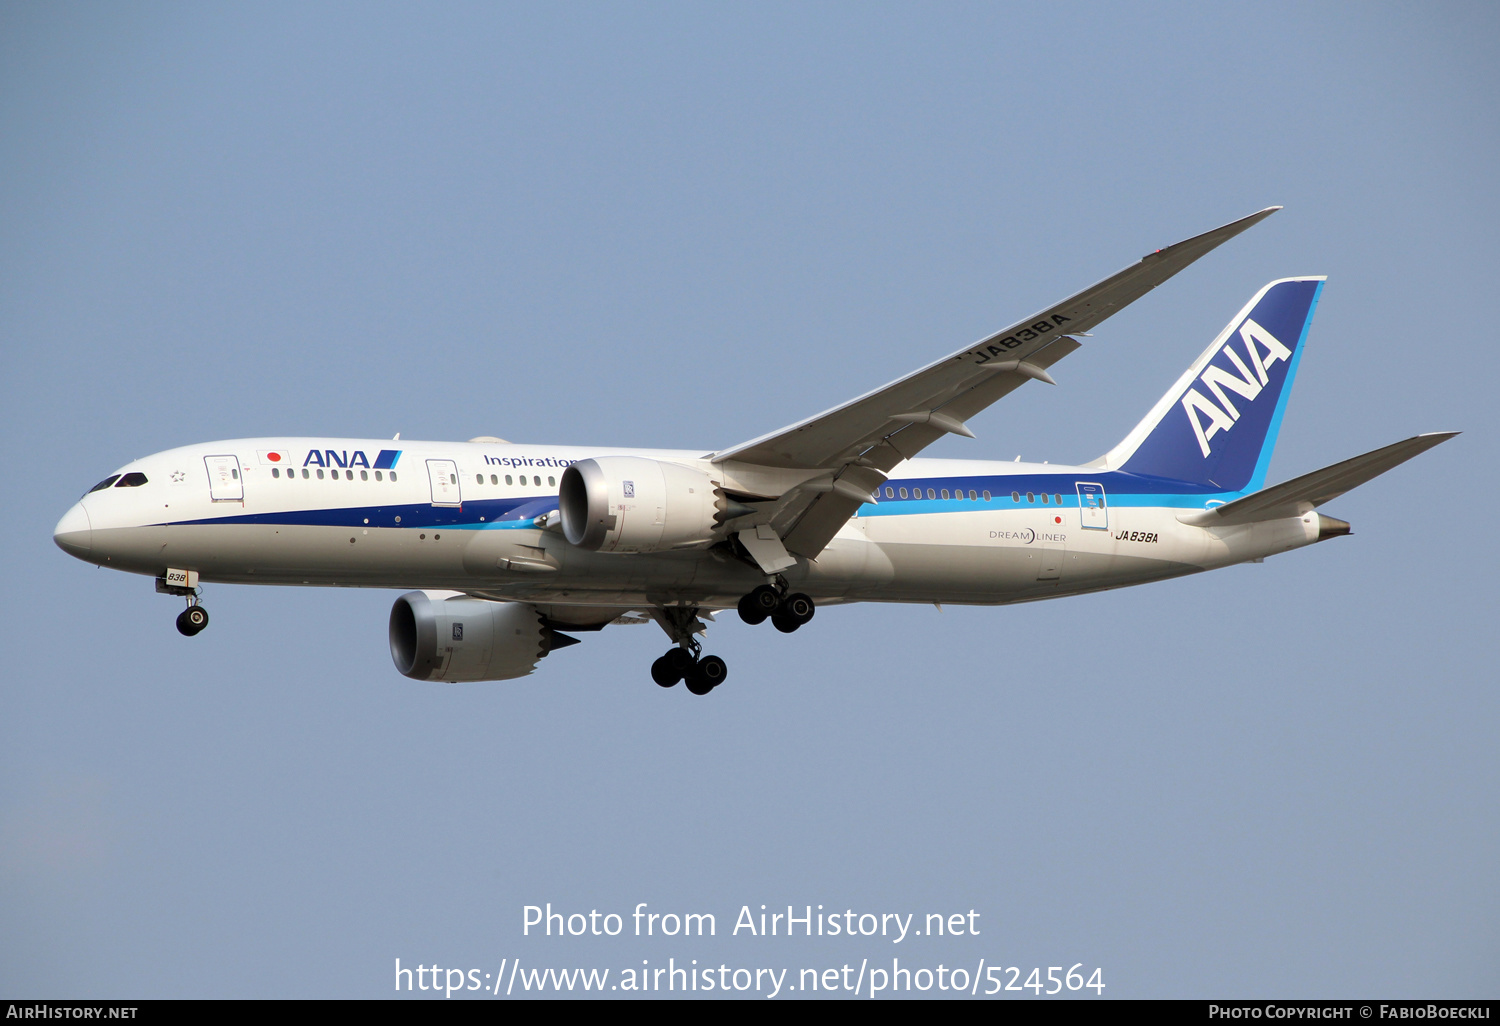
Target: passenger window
{"points": [[320, 473], [986, 496], [945, 493], [132, 480], [972, 496], [1057, 499], [551, 481], [348, 475], [903, 493], [364, 475], [393, 475], [931, 494], [1046, 498], [378, 477], [275, 472], [1015, 496], [105, 483], [1030, 496], [507, 479], [890, 493], [494, 480], [537, 480], [304, 473], [479, 479]]}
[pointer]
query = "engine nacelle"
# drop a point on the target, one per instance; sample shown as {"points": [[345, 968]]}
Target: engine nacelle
{"points": [[631, 504], [467, 639]]}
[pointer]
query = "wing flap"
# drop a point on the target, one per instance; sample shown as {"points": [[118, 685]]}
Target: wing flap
{"points": [[813, 526]]}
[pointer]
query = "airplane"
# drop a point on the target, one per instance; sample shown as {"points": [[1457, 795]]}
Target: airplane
{"points": [[507, 548]]}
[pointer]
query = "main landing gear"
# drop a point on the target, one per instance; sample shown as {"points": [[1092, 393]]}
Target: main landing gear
{"points": [[686, 662], [702, 675], [786, 612]]}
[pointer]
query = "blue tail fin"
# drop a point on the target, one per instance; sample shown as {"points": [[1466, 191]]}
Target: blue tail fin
{"points": [[1217, 425]]}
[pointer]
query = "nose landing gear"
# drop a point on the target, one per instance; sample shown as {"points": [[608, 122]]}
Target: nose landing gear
{"points": [[184, 583]]}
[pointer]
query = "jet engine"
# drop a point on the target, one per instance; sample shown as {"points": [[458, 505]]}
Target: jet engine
{"points": [[463, 639], [631, 504]]}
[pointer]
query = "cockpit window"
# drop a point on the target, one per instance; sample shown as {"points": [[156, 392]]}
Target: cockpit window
{"points": [[105, 483], [134, 480]]}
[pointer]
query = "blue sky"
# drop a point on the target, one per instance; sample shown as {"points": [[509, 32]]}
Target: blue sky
{"points": [[682, 226]]}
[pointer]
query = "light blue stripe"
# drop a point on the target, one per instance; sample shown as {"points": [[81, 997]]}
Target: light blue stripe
{"points": [[1263, 463]]}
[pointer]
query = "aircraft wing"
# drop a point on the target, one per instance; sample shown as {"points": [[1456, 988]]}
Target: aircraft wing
{"points": [[863, 439]]}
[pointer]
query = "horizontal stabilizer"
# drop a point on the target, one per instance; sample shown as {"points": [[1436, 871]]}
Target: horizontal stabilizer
{"points": [[1309, 491]]}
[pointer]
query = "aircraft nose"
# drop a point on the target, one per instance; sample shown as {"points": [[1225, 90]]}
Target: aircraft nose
{"points": [[73, 533]]}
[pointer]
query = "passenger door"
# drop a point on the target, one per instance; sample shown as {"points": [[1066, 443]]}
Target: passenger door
{"points": [[443, 476], [1093, 508], [224, 481]]}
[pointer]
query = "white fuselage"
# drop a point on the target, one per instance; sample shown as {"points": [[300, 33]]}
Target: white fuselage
{"points": [[472, 516]]}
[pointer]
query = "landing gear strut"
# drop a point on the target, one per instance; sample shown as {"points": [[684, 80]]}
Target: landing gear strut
{"points": [[786, 612], [184, 584], [685, 662]]}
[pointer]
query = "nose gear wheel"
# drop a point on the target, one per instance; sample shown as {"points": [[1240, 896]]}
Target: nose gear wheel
{"points": [[192, 620]]}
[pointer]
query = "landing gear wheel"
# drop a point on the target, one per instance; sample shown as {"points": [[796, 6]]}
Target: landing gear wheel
{"points": [[712, 669], [759, 604], [795, 610], [798, 607], [663, 673], [707, 675], [672, 667], [192, 620]]}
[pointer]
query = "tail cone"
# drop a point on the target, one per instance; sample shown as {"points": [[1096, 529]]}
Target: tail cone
{"points": [[1331, 527]]}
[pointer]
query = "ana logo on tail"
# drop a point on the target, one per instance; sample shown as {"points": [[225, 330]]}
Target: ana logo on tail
{"points": [[1222, 417]]}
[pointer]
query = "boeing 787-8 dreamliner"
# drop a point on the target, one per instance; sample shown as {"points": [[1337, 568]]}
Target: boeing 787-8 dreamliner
{"points": [[510, 547]]}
